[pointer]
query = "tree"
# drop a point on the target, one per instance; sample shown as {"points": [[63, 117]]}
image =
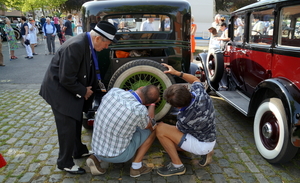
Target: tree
{"points": [[232, 5], [31, 5], [71, 5]]}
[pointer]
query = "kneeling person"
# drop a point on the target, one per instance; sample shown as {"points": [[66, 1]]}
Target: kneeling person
{"points": [[195, 130], [123, 129]]}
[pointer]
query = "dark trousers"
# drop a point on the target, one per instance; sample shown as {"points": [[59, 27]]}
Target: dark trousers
{"points": [[69, 138], [50, 43]]}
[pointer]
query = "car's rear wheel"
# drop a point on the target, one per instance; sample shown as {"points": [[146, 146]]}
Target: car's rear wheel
{"points": [[271, 132], [142, 72]]}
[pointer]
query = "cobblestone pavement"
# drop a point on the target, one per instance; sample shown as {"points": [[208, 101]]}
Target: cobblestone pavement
{"points": [[29, 145]]}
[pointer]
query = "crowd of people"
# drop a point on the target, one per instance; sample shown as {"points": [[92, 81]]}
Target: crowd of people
{"points": [[30, 31]]}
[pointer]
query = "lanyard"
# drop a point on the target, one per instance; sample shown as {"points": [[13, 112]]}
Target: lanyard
{"points": [[101, 85], [135, 95], [94, 56]]}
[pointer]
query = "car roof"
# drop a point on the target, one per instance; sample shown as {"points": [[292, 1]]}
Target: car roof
{"points": [[261, 3]]}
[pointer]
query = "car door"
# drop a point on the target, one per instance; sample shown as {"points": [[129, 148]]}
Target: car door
{"points": [[238, 52], [257, 58], [286, 59]]}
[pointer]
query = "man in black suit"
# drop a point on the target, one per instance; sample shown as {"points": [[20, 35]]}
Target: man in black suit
{"points": [[68, 85]]}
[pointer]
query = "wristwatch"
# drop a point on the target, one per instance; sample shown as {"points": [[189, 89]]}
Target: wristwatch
{"points": [[181, 74]]}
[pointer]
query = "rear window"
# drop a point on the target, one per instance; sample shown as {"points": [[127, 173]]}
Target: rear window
{"points": [[140, 22]]}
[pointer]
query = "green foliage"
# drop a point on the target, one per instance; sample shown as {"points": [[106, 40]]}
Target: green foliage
{"points": [[232, 5], [70, 5]]}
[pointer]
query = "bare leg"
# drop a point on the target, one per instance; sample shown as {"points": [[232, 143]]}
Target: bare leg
{"points": [[144, 147], [169, 136], [32, 47]]}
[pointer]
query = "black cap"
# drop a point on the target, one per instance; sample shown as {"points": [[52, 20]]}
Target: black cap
{"points": [[106, 30]]}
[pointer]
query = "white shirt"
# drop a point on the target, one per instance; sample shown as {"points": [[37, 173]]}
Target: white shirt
{"points": [[147, 26]]}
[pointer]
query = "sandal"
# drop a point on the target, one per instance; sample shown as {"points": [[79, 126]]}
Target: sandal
{"points": [[13, 57]]}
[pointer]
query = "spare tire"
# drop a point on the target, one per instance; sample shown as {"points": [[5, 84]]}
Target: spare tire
{"points": [[215, 67], [142, 72]]}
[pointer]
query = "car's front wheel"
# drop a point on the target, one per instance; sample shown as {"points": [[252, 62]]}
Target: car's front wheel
{"points": [[142, 72], [271, 132]]}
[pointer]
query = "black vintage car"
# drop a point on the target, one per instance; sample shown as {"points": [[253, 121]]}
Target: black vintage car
{"points": [[136, 59]]}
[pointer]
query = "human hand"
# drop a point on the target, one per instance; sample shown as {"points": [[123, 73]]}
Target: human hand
{"points": [[170, 70], [89, 92]]}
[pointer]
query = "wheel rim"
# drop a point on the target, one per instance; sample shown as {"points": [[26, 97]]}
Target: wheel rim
{"points": [[138, 79], [211, 68], [269, 130]]}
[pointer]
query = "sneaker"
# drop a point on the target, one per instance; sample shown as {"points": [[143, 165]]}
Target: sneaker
{"points": [[170, 170], [34, 54], [206, 159], [138, 172], [93, 163]]}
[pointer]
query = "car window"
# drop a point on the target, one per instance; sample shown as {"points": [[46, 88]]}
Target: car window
{"points": [[289, 33], [261, 27], [239, 23], [140, 22]]}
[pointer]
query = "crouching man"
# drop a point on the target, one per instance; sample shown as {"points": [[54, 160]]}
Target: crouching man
{"points": [[195, 130], [123, 129]]}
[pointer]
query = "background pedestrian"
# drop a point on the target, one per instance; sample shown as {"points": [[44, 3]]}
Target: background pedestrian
{"points": [[11, 38]]}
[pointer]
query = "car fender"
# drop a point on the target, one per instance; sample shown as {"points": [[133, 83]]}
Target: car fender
{"points": [[288, 93]]}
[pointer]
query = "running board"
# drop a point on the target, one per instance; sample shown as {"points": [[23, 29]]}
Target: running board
{"points": [[237, 99]]}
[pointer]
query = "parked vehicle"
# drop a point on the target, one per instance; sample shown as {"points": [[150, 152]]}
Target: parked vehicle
{"points": [[14, 26], [258, 74], [136, 59]]}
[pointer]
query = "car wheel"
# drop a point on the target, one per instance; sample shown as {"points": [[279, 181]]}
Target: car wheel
{"points": [[142, 72], [17, 34], [215, 67], [271, 132]]}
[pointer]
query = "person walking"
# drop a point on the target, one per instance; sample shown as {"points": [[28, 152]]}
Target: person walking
{"points": [[11, 38], [43, 20], [68, 85], [68, 28], [1, 55], [26, 37], [33, 30], [49, 30], [193, 41], [195, 129], [60, 33], [79, 27]]}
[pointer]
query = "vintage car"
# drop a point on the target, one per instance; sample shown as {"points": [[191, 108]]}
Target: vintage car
{"points": [[258, 72], [14, 26], [135, 60]]}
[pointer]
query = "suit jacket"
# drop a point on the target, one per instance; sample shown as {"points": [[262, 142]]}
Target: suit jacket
{"points": [[68, 75]]}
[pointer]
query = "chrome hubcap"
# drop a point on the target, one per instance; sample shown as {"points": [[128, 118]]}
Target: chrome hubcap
{"points": [[267, 130]]}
